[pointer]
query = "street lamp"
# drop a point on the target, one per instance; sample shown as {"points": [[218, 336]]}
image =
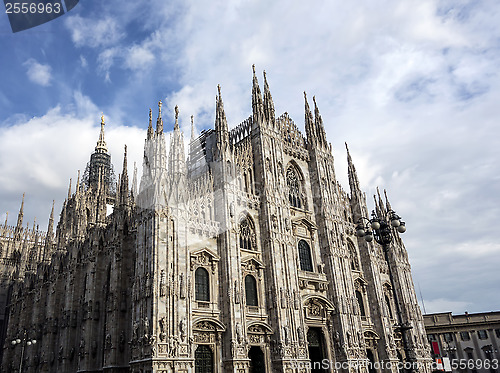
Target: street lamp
{"points": [[381, 228], [24, 342]]}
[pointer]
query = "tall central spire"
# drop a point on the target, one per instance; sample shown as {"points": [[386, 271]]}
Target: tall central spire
{"points": [[101, 144], [100, 162]]}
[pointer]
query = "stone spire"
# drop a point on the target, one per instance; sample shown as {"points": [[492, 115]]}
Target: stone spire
{"points": [[268, 103], [387, 203], [318, 123], [124, 181], [20, 216], [159, 121], [100, 160], [192, 128], [257, 105], [134, 182], [352, 174], [69, 189], [177, 161], [101, 144], [221, 128], [77, 186], [379, 205], [309, 124], [150, 127], [49, 239]]}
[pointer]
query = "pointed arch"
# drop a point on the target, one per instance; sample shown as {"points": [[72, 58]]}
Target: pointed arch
{"points": [[246, 230], [294, 181]]}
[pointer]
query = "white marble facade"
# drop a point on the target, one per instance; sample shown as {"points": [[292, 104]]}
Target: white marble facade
{"points": [[241, 258]]}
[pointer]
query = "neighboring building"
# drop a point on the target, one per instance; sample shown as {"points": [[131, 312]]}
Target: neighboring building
{"points": [[242, 258], [470, 341]]}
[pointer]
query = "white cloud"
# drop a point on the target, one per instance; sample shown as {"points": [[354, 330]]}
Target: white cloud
{"points": [[87, 32], [139, 57], [38, 73], [83, 62], [49, 151]]}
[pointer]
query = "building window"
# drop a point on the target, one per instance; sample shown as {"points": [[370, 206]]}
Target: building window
{"points": [[431, 337], [465, 336], [251, 291], [497, 333], [204, 360], [201, 281], [470, 354], [294, 195], [482, 334], [305, 256], [247, 235], [361, 305], [448, 337]]}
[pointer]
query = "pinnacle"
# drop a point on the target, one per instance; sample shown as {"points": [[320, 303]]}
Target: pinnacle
{"points": [[101, 143]]}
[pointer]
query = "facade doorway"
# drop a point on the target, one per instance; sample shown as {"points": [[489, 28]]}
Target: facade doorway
{"points": [[204, 359], [316, 347], [257, 361]]}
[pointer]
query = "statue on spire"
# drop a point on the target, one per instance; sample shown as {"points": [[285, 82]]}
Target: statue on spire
{"points": [[159, 121], [101, 144], [176, 127]]}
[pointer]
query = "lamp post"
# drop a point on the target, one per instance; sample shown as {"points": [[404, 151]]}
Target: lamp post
{"points": [[381, 228], [25, 341]]}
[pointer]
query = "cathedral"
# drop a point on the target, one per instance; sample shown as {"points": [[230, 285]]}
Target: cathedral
{"points": [[244, 256]]}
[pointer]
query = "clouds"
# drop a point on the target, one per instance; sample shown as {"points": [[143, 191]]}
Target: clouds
{"points": [[38, 73], [88, 32], [38, 156]]}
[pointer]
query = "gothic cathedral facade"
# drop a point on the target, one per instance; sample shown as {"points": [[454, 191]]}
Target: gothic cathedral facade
{"points": [[241, 258]]}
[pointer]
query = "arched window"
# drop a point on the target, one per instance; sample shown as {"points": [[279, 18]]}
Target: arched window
{"points": [[247, 235], [251, 291], [204, 360], [201, 284], [293, 183], [305, 256], [361, 304]]}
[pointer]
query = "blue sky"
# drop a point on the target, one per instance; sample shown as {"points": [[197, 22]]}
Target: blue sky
{"points": [[412, 86]]}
